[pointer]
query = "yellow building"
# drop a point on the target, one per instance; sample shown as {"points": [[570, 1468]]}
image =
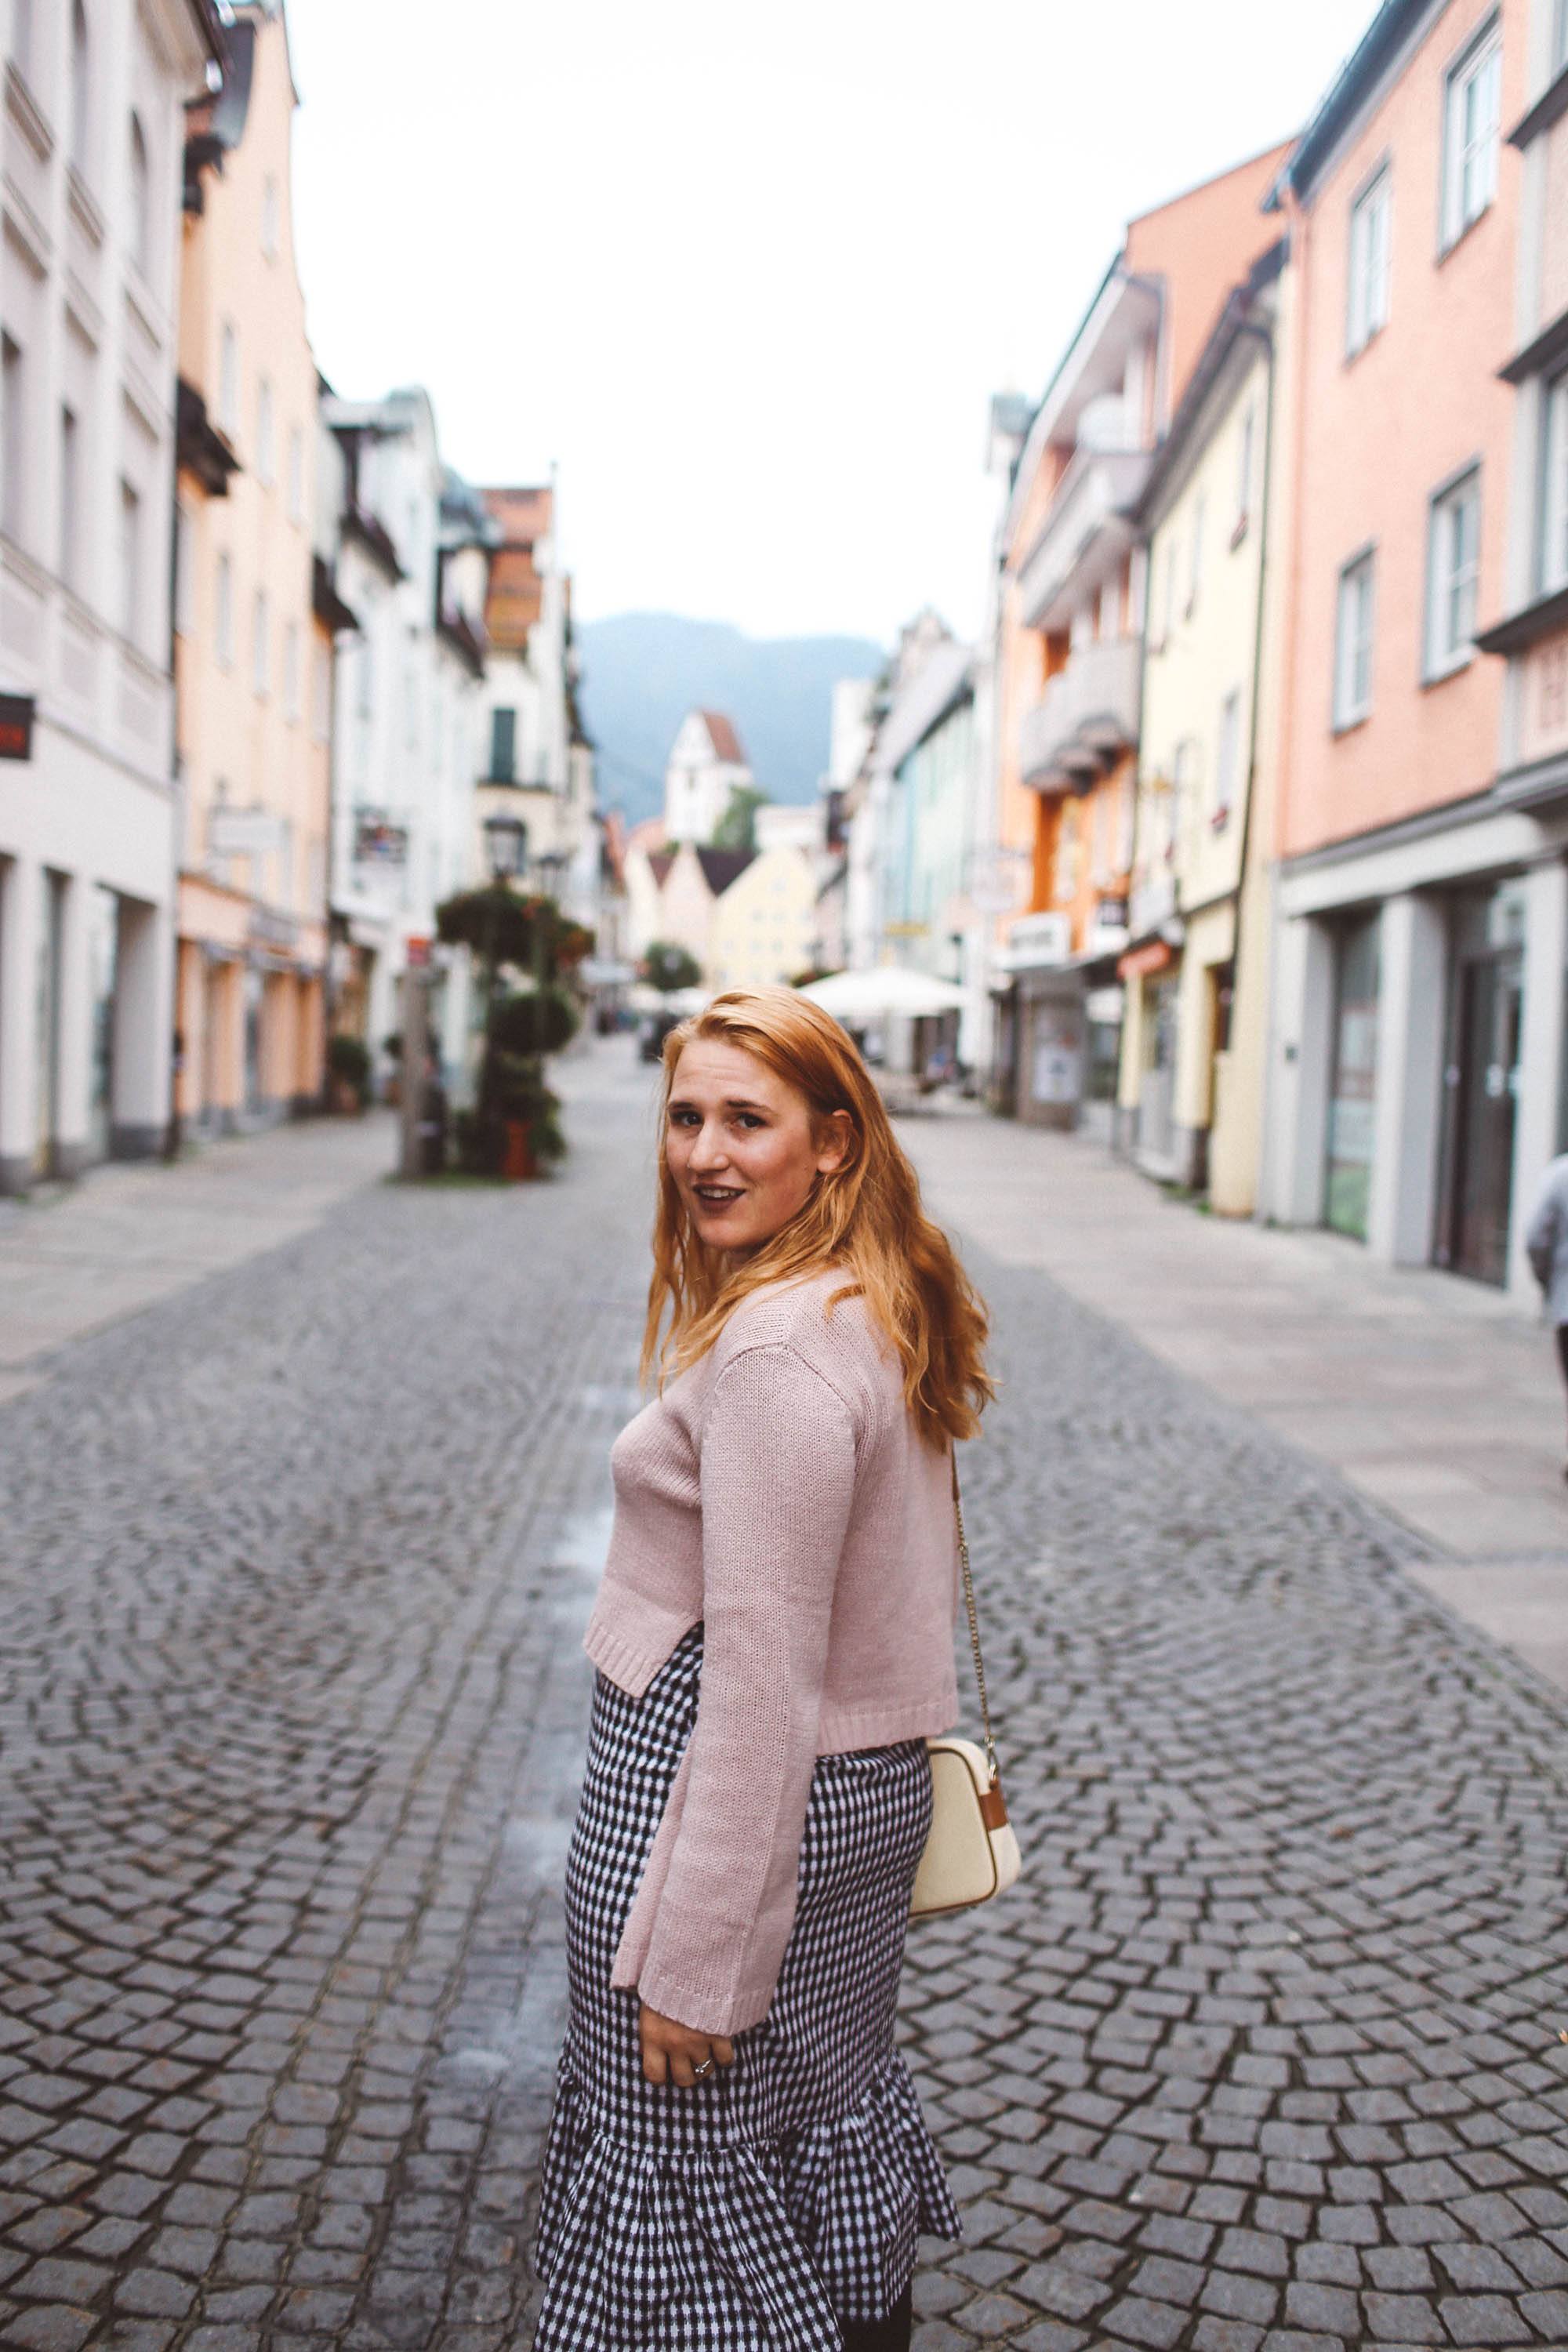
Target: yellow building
{"points": [[764, 923], [253, 691], [1196, 968]]}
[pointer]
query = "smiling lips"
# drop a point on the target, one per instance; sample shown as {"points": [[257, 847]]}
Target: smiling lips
{"points": [[717, 1196]]}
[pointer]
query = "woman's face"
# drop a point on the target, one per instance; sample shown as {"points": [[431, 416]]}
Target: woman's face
{"points": [[741, 1145]]}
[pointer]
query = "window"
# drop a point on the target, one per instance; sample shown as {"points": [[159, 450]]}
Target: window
{"points": [[269, 218], [184, 570], [1554, 504], [504, 746], [1453, 568], [228, 379], [130, 560], [1352, 643], [1371, 229], [140, 219], [1246, 463], [265, 436], [71, 498], [223, 613], [1227, 763], [322, 714], [14, 427], [291, 671], [260, 623], [1471, 130], [295, 476], [81, 85], [1196, 568]]}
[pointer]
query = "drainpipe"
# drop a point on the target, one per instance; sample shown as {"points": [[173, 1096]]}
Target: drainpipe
{"points": [[1266, 337]]}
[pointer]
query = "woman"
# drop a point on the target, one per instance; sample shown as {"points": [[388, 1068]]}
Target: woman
{"points": [[737, 2159]]}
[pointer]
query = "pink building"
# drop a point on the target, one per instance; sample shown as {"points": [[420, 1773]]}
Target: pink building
{"points": [[1413, 1074]]}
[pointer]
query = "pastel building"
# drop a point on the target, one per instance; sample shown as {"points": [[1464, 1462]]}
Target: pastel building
{"points": [[253, 707], [1412, 1076], [1195, 969], [409, 715], [1070, 625], [538, 771], [92, 148], [706, 764], [761, 928]]}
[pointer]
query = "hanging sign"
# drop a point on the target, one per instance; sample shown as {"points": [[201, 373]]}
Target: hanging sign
{"points": [[16, 726]]}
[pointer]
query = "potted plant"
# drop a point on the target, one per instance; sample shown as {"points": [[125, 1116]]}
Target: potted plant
{"points": [[348, 1074]]}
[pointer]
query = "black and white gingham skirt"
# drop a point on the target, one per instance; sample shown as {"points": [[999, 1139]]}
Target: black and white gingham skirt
{"points": [[758, 2210]]}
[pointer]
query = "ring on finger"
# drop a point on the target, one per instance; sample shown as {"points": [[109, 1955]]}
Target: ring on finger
{"points": [[706, 2068]]}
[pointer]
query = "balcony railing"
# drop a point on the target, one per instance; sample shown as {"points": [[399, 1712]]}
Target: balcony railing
{"points": [[1087, 717], [1086, 533]]}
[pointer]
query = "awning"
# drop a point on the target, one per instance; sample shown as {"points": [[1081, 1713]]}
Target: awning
{"points": [[1154, 955]]}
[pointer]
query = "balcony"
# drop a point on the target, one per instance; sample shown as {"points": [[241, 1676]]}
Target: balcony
{"points": [[1086, 719], [1087, 533]]}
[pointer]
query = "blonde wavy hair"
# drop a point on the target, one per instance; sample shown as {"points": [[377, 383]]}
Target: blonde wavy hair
{"points": [[864, 1216]]}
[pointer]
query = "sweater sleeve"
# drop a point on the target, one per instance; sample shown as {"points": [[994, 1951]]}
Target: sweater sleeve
{"points": [[777, 1476]]}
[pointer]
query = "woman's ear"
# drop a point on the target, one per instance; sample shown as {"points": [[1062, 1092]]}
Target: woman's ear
{"points": [[833, 1145]]}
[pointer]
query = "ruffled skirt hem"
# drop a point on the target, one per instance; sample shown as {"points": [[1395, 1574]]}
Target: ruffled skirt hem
{"points": [[754, 2247]]}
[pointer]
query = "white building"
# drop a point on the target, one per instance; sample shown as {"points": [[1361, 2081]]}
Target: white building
{"points": [[706, 764], [91, 144], [408, 726], [539, 765]]}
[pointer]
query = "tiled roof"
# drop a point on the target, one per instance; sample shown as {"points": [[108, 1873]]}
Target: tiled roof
{"points": [[722, 736], [722, 867]]}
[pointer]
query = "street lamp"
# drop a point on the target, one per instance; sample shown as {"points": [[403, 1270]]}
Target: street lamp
{"points": [[506, 839]]}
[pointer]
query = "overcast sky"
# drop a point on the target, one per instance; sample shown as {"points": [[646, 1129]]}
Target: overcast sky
{"points": [[748, 274]]}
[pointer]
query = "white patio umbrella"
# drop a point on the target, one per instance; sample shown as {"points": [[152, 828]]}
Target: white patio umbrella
{"points": [[856, 998]]}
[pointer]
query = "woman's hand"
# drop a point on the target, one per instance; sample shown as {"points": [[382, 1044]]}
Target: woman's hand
{"points": [[673, 2054]]}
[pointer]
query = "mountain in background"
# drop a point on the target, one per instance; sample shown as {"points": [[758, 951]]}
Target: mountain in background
{"points": [[642, 672]]}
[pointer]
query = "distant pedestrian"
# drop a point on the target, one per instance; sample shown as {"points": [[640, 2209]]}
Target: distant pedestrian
{"points": [[737, 2161], [1546, 1240]]}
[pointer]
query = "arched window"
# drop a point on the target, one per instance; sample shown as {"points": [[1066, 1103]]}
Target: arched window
{"points": [[140, 199], [81, 85]]}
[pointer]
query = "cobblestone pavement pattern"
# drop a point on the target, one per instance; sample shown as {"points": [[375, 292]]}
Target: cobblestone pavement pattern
{"points": [[1269, 2054]]}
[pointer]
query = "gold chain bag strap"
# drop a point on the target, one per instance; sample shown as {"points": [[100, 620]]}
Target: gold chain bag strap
{"points": [[972, 1852]]}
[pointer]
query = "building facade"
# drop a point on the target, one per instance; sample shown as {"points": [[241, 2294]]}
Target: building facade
{"points": [[1070, 620], [408, 723], [706, 764], [539, 763], [1414, 899], [255, 758], [1196, 968], [91, 144]]}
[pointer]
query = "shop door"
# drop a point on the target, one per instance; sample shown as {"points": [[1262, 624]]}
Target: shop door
{"points": [[103, 949], [1484, 1083], [1156, 1101], [46, 1027], [254, 987], [1353, 1102]]}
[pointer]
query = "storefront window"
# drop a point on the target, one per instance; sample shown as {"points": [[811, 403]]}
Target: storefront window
{"points": [[1354, 1100]]}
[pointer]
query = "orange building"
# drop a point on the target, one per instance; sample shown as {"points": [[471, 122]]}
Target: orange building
{"points": [[1418, 970], [1070, 637], [252, 700]]}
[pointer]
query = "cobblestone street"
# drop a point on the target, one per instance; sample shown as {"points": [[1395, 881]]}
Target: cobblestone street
{"points": [[1269, 2053]]}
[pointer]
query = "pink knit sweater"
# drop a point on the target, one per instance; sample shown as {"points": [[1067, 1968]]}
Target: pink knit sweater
{"points": [[779, 1493]]}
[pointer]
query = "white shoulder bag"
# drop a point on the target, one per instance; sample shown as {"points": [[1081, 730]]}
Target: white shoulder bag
{"points": [[972, 1852]]}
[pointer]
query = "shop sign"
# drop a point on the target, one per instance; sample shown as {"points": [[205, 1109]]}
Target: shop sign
{"points": [[378, 841], [243, 831], [16, 726]]}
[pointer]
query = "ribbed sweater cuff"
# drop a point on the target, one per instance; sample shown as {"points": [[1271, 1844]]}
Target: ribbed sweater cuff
{"points": [[706, 2008]]}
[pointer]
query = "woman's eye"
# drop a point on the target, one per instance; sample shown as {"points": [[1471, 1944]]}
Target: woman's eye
{"points": [[749, 1118]]}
